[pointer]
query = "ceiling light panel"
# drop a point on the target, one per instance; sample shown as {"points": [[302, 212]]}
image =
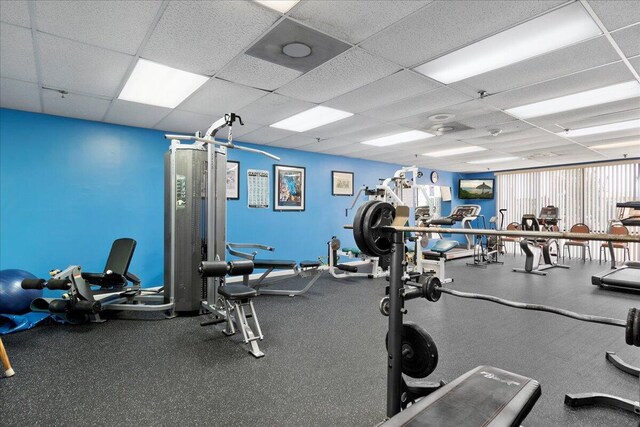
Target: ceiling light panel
{"points": [[494, 160], [588, 98], [398, 138], [454, 151], [311, 119], [282, 6], [616, 145], [611, 127], [156, 84], [554, 30]]}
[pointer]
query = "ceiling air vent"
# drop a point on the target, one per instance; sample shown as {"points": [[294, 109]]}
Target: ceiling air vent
{"points": [[544, 155]]}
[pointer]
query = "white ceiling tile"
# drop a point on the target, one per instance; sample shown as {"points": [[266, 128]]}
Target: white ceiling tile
{"points": [[113, 25], [559, 63], [349, 125], [400, 85], [628, 40], [586, 80], [346, 72], [430, 101], [202, 37], [17, 60], [443, 26], [72, 105], [15, 12], [79, 67], [19, 95], [135, 114], [632, 149], [186, 122], [272, 108], [377, 131], [635, 63], [354, 21], [494, 118], [472, 113], [585, 115], [255, 72], [265, 135], [616, 13], [328, 145], [294, 141], [218, 97]]}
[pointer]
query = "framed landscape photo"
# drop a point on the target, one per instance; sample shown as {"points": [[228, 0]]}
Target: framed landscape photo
{"points": [[233, 180], [341, 183], [289, 188]]}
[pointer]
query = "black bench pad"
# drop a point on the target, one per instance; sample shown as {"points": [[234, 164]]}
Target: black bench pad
{"points": [[310, 264], [273, 263], [236, 291], [484, 396], [113, 280]]}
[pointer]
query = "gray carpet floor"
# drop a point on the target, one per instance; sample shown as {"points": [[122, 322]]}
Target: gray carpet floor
{"points": [[325, 357]]}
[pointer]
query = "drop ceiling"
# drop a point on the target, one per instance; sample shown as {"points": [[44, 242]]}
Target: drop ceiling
{"points": [[88, 49]]}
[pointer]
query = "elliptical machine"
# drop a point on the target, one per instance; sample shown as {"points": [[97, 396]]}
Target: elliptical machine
{"points": [[539, 252]]}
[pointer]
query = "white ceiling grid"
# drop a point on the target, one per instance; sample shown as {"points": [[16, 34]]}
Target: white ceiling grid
{"points": [[88, 49]]}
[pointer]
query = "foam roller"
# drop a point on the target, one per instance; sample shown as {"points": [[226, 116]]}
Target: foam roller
{"points": [[92, 307], [59, 306], [240, 268], [33, 284], [213, 269], [61, 284]]}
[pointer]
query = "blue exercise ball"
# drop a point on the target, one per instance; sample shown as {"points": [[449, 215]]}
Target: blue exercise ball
{"points": [[14, 299]]}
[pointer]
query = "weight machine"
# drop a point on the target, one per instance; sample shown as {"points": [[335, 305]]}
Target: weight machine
{"points": [[195, 228], [371, 265]]}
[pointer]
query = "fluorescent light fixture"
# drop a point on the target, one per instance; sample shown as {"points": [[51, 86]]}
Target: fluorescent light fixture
{"points": [[496, 160], [611, 127], [616, 145], [398, 138], [282, 6], [589, 98], [454, 151], [552, 31], [311, 119], [156, 84]]}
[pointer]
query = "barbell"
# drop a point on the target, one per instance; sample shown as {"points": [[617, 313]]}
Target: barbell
{"points": [[376, 221], [430, 288]]}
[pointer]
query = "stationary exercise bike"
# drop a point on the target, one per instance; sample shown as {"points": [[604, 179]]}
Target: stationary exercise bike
{"points": [[540, 252], [487, 249]]}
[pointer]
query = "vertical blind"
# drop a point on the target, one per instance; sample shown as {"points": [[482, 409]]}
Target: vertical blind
{"points": [[586, 194]]}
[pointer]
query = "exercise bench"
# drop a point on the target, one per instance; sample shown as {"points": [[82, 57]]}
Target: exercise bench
{"points": [[302, 269], [483, 397]]}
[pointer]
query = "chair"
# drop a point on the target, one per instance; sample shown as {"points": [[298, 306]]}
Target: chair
{"points": [[621, 230], [584, 244], [512, 227], [116, 271]]}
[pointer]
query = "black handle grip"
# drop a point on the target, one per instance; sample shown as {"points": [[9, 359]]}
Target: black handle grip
{"points": [[33, 284]]}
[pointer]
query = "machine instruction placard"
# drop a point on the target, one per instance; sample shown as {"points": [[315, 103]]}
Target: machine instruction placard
{"points": [[258, 188]]}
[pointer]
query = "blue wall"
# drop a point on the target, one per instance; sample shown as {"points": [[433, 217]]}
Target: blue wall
{"points": [[69, 187]]}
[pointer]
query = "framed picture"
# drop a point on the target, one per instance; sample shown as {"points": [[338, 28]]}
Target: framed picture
{"points": [[341, 183], [289, 188], [233, 180]]}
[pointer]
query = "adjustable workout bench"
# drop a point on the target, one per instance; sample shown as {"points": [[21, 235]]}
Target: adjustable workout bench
{"points": [[304, 269], [484, 396]]}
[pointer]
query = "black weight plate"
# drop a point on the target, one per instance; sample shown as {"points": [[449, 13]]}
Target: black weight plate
{"points": [[375, 218], [629, 329], [419, 351], [636, 329], [358, 226]]}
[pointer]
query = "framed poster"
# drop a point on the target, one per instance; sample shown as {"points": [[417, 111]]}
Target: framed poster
{"points": [[341, 183], [257, 189], [233, 180], [289, 188]]}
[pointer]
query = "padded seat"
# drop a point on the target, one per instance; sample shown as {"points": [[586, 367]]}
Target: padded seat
{"points": [[310, 264], [104, 280], [273, 263], [235, 291], [484, 396]]}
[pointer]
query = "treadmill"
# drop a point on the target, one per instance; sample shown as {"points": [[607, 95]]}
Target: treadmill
{"points": [[627, 276], [465, 215]]}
